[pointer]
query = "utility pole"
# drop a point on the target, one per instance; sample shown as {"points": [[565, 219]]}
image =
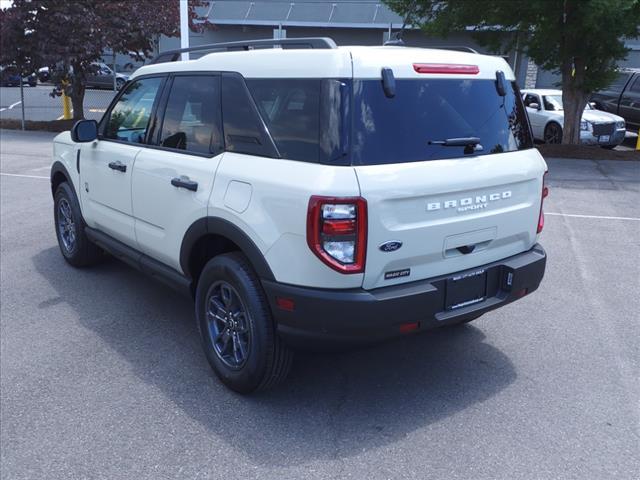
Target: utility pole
{"points": [[184, 27]]}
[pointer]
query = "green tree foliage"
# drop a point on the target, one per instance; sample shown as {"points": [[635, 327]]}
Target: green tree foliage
{"points": [[68, 36], [582, 40]]}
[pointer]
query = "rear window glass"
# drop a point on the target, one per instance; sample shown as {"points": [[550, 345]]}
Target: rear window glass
{"points": [[291, 110], [412, 126], [244, 131], [305, 117]]}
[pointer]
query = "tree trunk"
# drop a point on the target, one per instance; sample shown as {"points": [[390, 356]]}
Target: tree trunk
{"points": [[78, 83], [574, 102]]}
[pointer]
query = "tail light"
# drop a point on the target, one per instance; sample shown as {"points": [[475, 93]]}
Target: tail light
{"points": [[337, 232], [545, 193]]}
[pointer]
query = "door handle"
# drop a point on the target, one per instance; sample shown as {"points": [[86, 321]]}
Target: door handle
{"points": [[121, 167], [184, 182]]}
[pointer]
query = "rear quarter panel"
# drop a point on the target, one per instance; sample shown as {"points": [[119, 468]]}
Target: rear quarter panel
{"points": [[268, 199]]}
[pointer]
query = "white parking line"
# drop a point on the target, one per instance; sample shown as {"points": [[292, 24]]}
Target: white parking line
{"points": [[599, 217], [10, 106], [22, 176]]}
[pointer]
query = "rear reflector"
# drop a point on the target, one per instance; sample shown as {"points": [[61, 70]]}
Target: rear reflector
{"points": [[446, 68], [545, 193], [286, 304], [409, 327]]}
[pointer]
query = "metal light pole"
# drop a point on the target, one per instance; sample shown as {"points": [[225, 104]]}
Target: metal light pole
{"points": [[184, 27], [21, 98]]}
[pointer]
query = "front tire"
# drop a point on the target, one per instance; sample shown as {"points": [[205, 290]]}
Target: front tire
{"points": [[74, 245], [236, 327]]}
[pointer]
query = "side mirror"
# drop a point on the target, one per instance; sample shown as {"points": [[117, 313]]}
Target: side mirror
{"points": [[84, 131], [593, 105], [534, 105]]}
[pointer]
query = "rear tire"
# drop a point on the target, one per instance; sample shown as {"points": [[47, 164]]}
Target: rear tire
{"points": [[553, 133], [76, 248], [236, 327]]}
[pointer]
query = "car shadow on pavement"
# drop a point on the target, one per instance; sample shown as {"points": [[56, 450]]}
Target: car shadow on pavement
{"points": [[332, 406]]}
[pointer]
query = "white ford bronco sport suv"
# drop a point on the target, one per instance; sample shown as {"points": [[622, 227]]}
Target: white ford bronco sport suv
{"points": [[310, 193]]}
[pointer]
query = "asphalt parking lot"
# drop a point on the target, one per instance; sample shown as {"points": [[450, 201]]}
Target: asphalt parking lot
{"points": [[102, 375]]}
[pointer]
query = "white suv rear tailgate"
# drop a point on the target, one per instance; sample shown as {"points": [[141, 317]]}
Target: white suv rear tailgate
{"points": [[449, 215]]}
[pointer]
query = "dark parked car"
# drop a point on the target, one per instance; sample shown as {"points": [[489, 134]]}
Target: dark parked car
{"points": [[622, 97], [101, 76], [10, 77]]}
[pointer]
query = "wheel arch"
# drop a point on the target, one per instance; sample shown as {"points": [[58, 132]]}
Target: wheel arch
{"points": [[553, 120], [210, 236], [59, 174]]}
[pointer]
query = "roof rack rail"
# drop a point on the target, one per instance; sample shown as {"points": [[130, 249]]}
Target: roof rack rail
{"points": [[458, 48], [292, 43]]}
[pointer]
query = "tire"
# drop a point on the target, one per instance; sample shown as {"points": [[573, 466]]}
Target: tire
{"points": [[76, 248], [229, 298], [119, 84], [553, 133]]}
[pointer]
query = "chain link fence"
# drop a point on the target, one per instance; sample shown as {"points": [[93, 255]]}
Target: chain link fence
{"points": [[35, 102]]}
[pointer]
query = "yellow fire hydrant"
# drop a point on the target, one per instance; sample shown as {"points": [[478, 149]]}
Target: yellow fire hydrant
{"points": [[66, 102], [638, 141]]}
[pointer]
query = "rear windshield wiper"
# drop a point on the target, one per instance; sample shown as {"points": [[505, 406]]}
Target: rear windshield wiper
{"points": [[456, 142], [470, 144]]}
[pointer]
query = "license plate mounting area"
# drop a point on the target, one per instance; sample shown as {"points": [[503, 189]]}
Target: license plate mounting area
{"points": [[466, 289]]}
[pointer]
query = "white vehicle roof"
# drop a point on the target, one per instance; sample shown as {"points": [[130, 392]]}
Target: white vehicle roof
{"points": [[341, 62]]}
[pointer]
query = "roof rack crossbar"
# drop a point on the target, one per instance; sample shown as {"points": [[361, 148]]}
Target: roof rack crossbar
{"points": [[311, 42]]}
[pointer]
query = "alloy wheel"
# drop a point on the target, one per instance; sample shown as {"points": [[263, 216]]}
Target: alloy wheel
{"points": [[228, 325], [553, 134], [66, 225]]}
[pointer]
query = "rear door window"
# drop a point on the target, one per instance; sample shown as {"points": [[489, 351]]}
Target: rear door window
{"points": [[414, 125], [192, 118]]}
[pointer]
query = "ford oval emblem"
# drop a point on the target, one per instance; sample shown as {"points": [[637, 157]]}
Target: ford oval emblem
{"points": [[390, 246]]}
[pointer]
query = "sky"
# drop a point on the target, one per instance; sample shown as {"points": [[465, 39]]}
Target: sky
{"points": [[5, 4]]}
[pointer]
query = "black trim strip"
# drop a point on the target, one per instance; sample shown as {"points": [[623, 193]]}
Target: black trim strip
{"points": [[219, 226], [140, 261], [58, 167]]}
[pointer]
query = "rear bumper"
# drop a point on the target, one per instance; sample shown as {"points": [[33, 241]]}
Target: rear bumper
{"points": [[320, 316]]}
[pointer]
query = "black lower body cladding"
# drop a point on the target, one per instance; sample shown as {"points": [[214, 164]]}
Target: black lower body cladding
{"points": [[309, 317]]}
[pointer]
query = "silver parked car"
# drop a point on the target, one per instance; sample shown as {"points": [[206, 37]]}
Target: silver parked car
{"points": [[546, 115]]}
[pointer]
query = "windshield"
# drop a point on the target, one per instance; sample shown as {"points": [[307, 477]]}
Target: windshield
{"points": [[553, 103], [416, 123]]}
